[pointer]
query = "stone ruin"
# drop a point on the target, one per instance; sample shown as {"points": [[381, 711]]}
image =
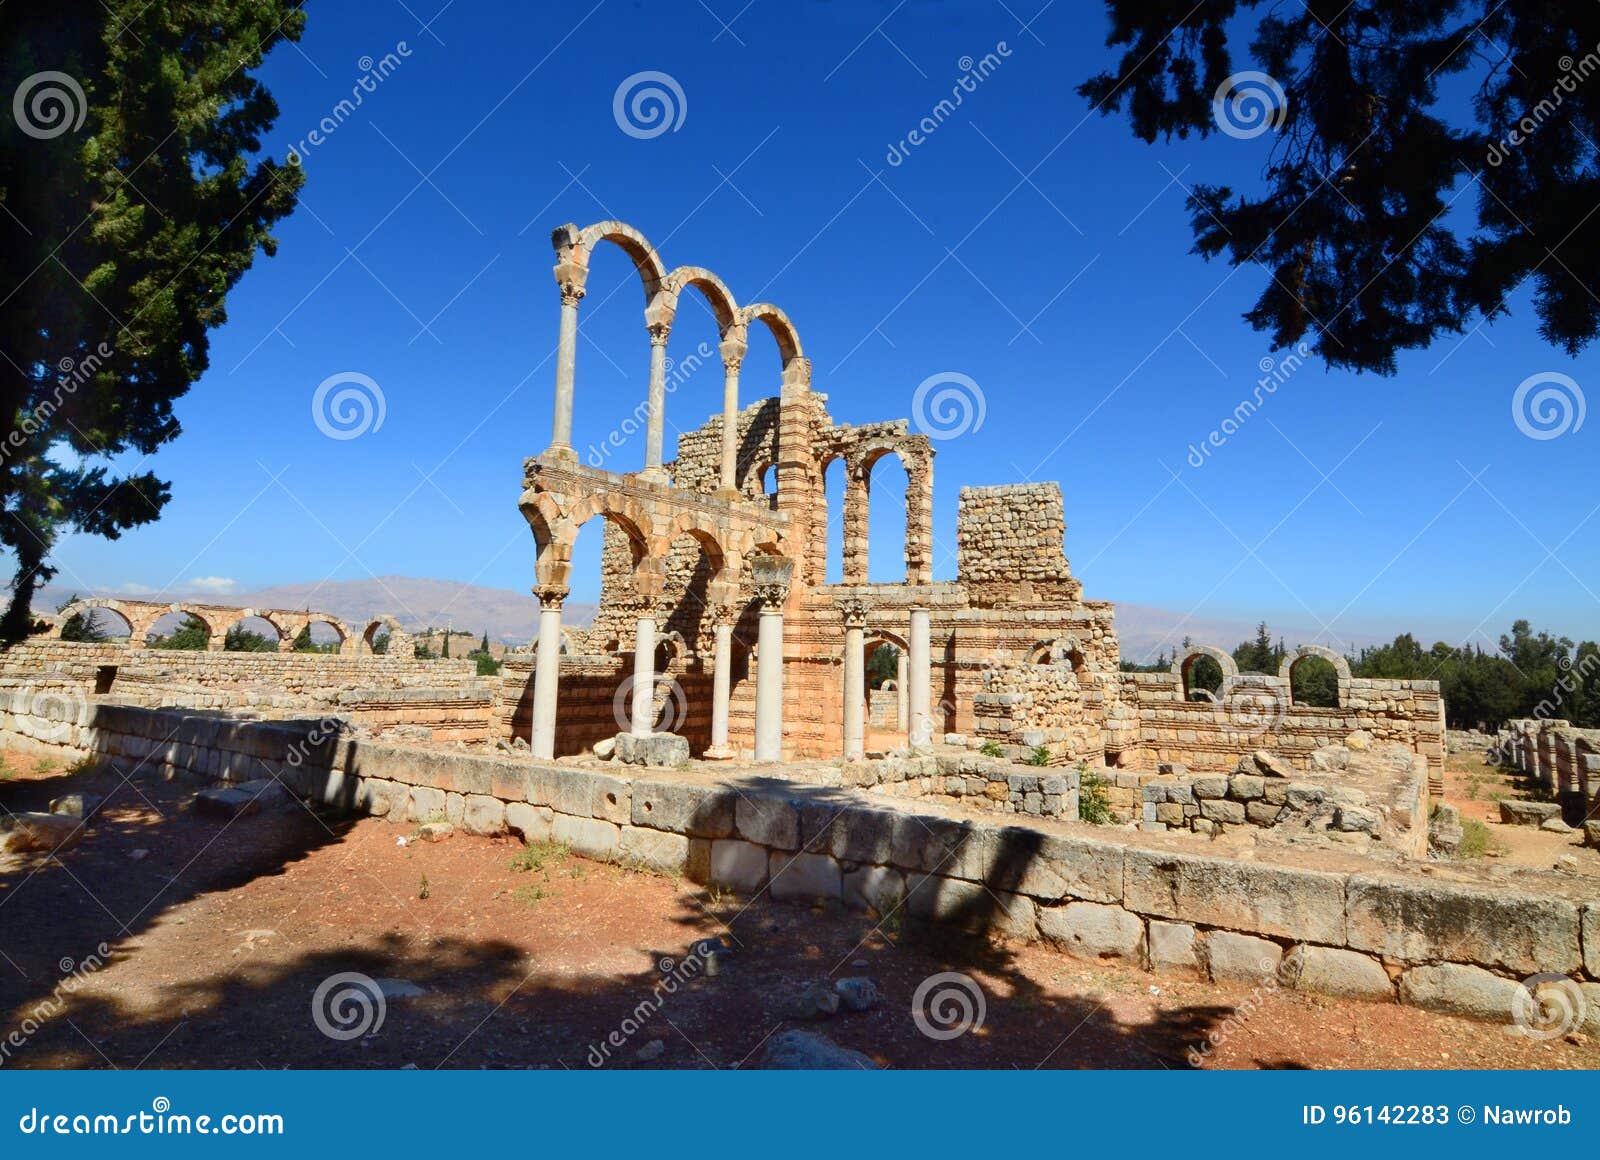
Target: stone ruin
{"points": [[721, 656]]}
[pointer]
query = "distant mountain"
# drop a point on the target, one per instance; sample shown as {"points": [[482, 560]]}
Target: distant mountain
{"points": [[508, 616], [1143, 632]]}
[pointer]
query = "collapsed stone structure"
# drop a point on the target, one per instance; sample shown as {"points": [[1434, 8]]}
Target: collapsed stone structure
{"points": [[707, 575]]}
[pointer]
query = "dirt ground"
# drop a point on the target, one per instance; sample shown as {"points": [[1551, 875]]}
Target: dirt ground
{"points": [[1477, 789], [221, 932]]}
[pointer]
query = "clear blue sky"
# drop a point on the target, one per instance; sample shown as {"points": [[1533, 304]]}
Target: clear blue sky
{"points": [[1034, 247]]}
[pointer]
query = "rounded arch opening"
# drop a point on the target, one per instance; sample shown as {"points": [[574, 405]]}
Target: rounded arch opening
{"points": [[252, 634], [182, 630], [1313, 682], [95, 624]]}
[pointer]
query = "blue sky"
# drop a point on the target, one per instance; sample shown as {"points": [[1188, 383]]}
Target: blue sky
{"points": [[1034, 247]]}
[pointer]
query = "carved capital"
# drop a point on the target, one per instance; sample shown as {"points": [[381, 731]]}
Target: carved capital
{"points": [[722, 612], [550, 595], [770, 579], [854, 609], [659, 332], [733, 351], [570, 278]]}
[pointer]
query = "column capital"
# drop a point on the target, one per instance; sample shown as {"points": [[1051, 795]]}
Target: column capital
{"points": [[571, 278], [732, 351], [770, 579], [854, 609], [659, 331], [722, 613], [550, 595]]}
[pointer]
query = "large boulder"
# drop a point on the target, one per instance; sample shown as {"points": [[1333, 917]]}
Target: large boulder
{"points": [[30, 832], [1516, 813]]}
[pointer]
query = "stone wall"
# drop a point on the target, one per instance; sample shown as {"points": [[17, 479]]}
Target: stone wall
{"points": [[1259, 713], [1458, 947], [1011, 543]]}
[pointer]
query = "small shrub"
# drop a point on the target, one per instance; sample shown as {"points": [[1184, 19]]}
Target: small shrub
{"points": [[535, 856], [1094, 804], [991, 749], [1040, 755], [1476, 839], [488, 666], [423, 893], [528, 895]]}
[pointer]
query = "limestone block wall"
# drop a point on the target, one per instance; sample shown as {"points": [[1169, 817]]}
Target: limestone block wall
{"points": [[1386, 935], [1011, 543], [1210, 736]]}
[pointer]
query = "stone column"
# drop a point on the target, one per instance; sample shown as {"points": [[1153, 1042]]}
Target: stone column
{"points": [[771, 576], [733, 350], [571, 279], [920, 733], [854, 612], [857, 501], [721, 681], [919, 521], [902, 703], [644, 675], [546, 670]]}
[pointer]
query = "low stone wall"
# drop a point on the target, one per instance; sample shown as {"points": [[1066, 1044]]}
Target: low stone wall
{"points": [[1454, 947], [972, 780], [1210, 737]]}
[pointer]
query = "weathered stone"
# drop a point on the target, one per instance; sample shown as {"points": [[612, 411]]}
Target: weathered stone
{"points": [[769, 821], [77, 805], [1520, 813], [1555, 826], [483, 815], [740, 866], [804, 877], [242, 800], [1433, 921], [1357, 819], [1211, 787], [661, 750], [1262, 813], [1342, 973], [696, 810], [1246, 787], [1089, 930], [426, 804], [1222, 810], [856, 994], [38, 832], [1241, 958], [1172, 949], [808, 1051], [590, 837], [530, 823], [1460, 990], [1271, 900], [436, 831], [813, 1001], [930, 897], [653, 849]]}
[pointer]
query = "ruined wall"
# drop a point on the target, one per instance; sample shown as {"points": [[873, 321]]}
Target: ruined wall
{"points": [[1130, 899], [1564, 760], [1210, 736], [1011, 544]]}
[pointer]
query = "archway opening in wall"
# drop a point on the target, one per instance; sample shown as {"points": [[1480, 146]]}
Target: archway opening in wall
{"points": [[183, 631], [886, 521], [1202, 678], [886, 697], [769, 485], [694, 379], [319, 636], [1314, 682], [835, 479], [252, 634], [97, 626], [612, 380], [378, 637]]}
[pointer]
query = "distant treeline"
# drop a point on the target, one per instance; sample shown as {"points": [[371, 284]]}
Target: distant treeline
{"points": [[1530, 674]]}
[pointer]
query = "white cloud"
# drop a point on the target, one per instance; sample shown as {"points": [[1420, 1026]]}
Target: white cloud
{"points": [[131, 589], [213, 585]]}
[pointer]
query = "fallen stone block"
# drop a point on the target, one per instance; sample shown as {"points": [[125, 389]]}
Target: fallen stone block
{"points": [[808, 1051], [41, 833]]}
